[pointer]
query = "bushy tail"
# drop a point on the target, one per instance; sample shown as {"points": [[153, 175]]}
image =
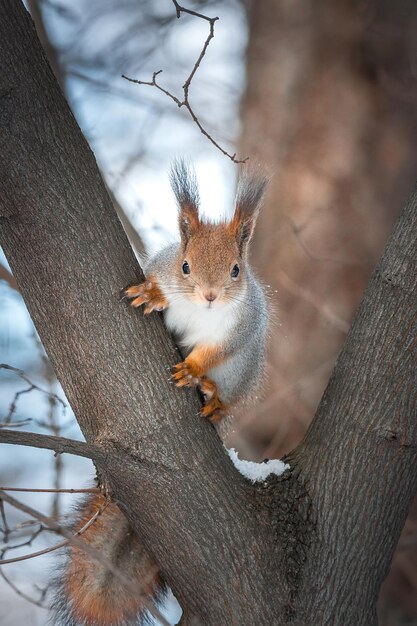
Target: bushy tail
{"points": [[88, 594]]}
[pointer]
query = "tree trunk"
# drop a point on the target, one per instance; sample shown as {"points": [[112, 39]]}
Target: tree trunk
{"points": [[330, 108], [312, 545]]}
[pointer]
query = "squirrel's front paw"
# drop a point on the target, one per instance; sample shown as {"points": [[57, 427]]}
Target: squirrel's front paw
{"points": [[185, 375], [213, 408], [147, 293]]}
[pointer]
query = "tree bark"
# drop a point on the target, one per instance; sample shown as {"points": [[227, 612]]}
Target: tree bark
{"points": [[309, 547]]}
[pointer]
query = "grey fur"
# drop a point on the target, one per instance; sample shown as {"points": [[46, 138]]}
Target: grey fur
{"points": [[184, 184], [250, 191]]}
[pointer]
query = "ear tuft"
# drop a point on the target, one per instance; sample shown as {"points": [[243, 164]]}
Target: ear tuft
{"points": [[250, 193], [185, 188]]}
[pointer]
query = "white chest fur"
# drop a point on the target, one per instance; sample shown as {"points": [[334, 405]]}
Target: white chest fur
{"points": [[194, 324]]}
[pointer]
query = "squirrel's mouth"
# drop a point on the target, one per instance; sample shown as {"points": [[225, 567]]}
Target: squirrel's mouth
{"points": [[210, 306], [208, 299]]}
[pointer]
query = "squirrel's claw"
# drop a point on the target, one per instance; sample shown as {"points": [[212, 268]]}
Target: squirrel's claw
{"points": [[140, 300], [137, 290], [184, 375], [147, 293], [213, 409]]}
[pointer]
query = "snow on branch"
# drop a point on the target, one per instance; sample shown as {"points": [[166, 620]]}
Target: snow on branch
{"points": [[257, 472]]}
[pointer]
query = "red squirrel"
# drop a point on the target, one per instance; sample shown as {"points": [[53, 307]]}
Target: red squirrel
{"points": [[218, 314], [212, 302]]}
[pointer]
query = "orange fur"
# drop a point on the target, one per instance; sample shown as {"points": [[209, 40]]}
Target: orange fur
{"points": [[147, 293], [189, 372], [213, 408], [211, 252], [189, 215], [95, 595]]}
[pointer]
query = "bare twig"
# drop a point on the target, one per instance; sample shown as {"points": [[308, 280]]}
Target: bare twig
{"points": [[20, 593], [56, 546], [31, 387], [55, 428], [184, 101], [22, 544], [35, 534], [6, 529], [129, 229], [16, 424], [60, 445], [27, 490]]}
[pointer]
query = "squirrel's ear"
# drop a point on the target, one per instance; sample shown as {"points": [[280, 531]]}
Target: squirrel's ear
{"points": [[184, 186], [250, 193]]}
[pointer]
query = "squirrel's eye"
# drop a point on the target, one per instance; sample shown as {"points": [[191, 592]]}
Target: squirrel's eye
{"points": [[235, 271], [186, 267]]}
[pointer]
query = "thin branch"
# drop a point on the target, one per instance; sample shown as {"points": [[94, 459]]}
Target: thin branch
{"points": [[24, 595], [56, 546], [60, 445], [54, 427], [130, 230], [31, 387], [16, 424], [6, 528], [27, 490], [185, 102], [6, 547]]}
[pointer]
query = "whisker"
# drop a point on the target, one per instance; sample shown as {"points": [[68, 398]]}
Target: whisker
{"points": [[250, 305]]}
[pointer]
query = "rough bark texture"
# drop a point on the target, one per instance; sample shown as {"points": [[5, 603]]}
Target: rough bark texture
{"points": [[369, 415], [310, 547], [330, 108]]}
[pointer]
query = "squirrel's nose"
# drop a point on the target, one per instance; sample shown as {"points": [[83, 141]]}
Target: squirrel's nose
{"points": [[210, 296]]}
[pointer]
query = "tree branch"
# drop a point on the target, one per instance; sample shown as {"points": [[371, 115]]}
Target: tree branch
{"points": [[359, 458], [61, 544], [31, 387], [60, 445], [185, 102]]}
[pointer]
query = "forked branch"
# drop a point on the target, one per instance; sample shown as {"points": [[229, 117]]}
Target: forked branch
{"points": [[184, 100]]}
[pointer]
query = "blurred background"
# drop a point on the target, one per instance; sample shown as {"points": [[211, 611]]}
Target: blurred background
{"points": [[324, 94]]}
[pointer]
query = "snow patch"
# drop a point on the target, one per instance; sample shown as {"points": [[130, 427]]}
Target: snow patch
{"points": [[257, 472]]}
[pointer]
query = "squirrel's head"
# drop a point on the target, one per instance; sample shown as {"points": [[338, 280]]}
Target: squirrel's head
{"points": [[212, 264]]}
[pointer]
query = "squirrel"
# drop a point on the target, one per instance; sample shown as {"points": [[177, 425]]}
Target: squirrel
{"points": [[212, 303], [217, 311]]}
